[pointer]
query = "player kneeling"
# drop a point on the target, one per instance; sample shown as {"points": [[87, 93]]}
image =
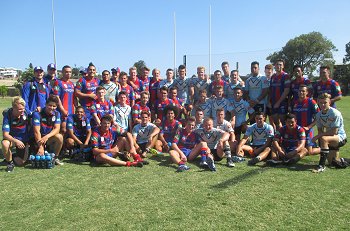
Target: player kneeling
{"points": [[186, 146], [262, 135], [106, 145]]}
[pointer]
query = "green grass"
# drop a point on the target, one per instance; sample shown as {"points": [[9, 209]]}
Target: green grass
{"points": [[81, 197]]}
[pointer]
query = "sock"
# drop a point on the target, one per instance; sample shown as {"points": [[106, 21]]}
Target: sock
{"points": [[203, 154], [128, 164], [182, 162], [323, 157], [10, 162], [137, 157], [227, 151]]}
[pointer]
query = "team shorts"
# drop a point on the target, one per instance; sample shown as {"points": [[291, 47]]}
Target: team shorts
{"points": [[143, 147], [186, 151], [238, 132], [215, 155]]}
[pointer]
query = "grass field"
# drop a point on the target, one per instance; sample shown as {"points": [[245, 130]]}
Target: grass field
{"points": [[81, 197]]}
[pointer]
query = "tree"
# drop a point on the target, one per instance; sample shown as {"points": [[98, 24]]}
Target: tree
{"points": [[347, 55], [307, 50], [139, 65], [26, 75], [3, 91]]}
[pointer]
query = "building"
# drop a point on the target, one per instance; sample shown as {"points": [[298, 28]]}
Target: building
{"points": [[8, 73]]}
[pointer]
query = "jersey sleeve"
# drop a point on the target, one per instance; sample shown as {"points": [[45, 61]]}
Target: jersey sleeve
{"points": [[58, 117], [36, 119], [94, 140], [6, 123], [70, 123]]}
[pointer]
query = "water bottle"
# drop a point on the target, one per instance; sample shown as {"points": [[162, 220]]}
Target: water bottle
{"points": [[32, 160], [48, 159], [37, 161], [42, 161]]}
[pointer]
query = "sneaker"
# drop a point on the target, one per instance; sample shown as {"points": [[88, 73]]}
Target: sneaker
{"points": [[137, 164], [229, 162], [203, 164], [154, 151], [254, 161], [10, 167], [182, 168], [211, 165], [58, 162], [124, 156], [238, 159], [273, 162], [319, 169]]}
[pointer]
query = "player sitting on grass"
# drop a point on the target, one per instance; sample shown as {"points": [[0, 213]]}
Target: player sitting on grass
{"points": [[15, 128], [289, 143], [145, 134], [186, 146], [106, 146], [331, 134], [215, 139], [262, 135], [226, 126]]}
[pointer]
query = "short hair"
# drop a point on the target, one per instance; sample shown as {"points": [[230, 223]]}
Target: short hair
{"points": [[237, 88], [154, 70], [79, 107], [132, 68], [233, 71], [219, 87], [206, 119], [254, 63], [164, 88], [66, 66], [199, 109], [18, 100], [169, 69], [181, 67], [122, 93], [170, 108], [279, 60], [217, 71], [144, 93], [145, 68], [325, 67], [91, 65], [52, 99], [303, 85], [107, 117], [105, 71], [290, 116], [224, 63], [200, 68], [173, 88], [324, 96], [268, 66], [123, 73], [145, 112], [99, 88], [190, 119], [297, 66], [219, 110], [259, 113]]}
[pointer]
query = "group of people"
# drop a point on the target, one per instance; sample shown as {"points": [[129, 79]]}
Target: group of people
{"points": [[124, 117]]}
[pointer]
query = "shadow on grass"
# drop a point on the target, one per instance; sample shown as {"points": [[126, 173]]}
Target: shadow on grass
{"points": [[238, 179]]}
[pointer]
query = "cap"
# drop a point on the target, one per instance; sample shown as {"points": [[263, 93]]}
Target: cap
{"points": [[83, 71], [38, 68], [51, 66], [115, 69]]}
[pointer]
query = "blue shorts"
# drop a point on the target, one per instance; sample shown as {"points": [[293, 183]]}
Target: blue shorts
{"points": [[186, 151]]}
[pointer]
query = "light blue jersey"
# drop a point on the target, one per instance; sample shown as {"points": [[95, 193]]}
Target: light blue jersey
{"points": [[240, 110], [331, 119], [259, 135]]}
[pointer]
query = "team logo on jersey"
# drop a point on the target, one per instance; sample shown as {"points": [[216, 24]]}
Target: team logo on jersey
{"points": [[65, 86], [24, 117], [98, 105], [53, 118], [318, 87], [7, 126], [83, 123]]}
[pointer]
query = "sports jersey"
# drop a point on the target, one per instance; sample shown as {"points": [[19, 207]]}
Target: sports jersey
{"points": [[199, 84], [278, 84], [65, 91], [219, 103], [35, 95], [225, 126], [105, 140], [79, 126], [226, 78], [182, 88], [165, 83], [145, 83], [305, 111], [18, 128], [295, 84], [112, 91], [330, 86], [122, 115], [45, 121], [214, 84], [142, 133], [206, 107], [183, 139], [49, 80], [137, 109], [140, 86], [159, 107], [240, 110], [331, 119], [101, 109], [259, 135], [229, 90], [211, 137], [130, 92], [87, 87], [255, 85], [153, 90], [169, 129], [290, 139]]}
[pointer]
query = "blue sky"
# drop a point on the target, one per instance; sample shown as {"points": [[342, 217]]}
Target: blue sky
{"points": [[119, 33]]}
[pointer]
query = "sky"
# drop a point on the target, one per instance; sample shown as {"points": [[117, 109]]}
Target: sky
{"points": [[113, 33]]}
